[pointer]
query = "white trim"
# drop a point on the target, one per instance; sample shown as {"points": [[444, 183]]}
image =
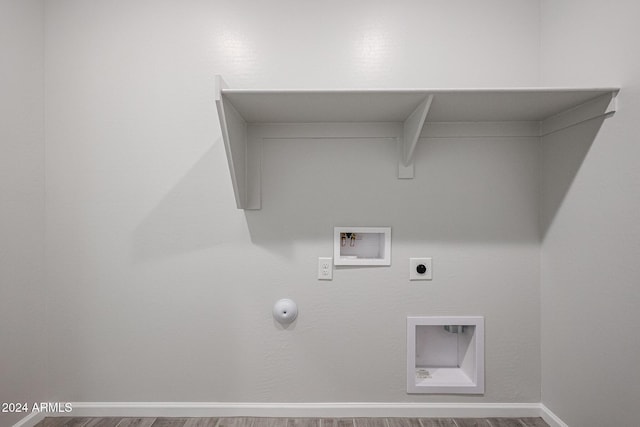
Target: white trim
{"points": [[426, 91], [329, 409], [552, 419], [30, 420]]}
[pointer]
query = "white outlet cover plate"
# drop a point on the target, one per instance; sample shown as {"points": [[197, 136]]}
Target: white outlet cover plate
{"points": [[325, 268], [413, 272]]}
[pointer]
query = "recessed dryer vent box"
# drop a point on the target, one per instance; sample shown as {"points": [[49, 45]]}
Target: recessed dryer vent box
{"points": [[445, 355], [362, 245]]}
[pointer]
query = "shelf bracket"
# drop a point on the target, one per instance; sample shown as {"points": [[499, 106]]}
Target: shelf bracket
{"points": [[244, 177], [603, 106], [411, 130]]}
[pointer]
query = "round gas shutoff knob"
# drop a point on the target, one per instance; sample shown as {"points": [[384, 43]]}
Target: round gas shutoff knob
{"points": [[285, 311], [421, 268]]}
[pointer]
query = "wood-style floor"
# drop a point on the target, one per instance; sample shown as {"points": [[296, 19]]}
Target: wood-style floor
{"points": [[290, 422]]}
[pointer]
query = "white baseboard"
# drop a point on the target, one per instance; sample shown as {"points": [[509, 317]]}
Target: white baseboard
{"points": [[552, 419], [332, 409], [30, 420]]}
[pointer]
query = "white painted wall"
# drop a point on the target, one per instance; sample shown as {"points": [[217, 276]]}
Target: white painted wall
{"points": [[22, 302], [161, 290], [150, 298], [590, 269]]}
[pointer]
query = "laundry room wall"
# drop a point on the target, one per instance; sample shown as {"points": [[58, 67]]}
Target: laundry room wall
{"points": [[590, 275], [22, 290], [161, 290]]}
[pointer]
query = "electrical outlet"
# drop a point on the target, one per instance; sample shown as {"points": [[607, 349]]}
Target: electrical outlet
{"points": [[420, 269], [325, 268]]}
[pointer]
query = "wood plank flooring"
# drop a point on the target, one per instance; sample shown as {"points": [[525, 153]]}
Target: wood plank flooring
{"points": [[290, 422]]}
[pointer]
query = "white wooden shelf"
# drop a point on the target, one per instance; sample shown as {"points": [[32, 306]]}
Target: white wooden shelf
{"points": [[242, 112]]}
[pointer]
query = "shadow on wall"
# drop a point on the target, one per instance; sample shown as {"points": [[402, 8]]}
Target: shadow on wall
{"points": [[465, 190], [469, 190], [192, 216], [474, 190], [562, 155]]}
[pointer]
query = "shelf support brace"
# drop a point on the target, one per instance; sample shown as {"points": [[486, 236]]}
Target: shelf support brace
{"points": [[603, 106], [245, 178], [411, 130]]}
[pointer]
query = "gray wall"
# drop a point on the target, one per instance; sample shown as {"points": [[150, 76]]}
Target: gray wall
{"points": [[161, 290], [590, 269], [22, 302]]}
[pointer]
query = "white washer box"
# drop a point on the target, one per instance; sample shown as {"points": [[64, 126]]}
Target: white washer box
{"points": [[362, 245], [445, 354]]}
